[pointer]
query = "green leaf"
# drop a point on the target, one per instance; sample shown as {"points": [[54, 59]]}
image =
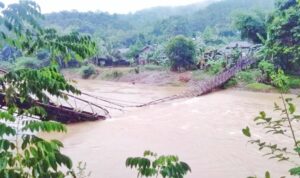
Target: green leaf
{"points": [[267, 175], [295, 171], [246, 132], [292, 108]]}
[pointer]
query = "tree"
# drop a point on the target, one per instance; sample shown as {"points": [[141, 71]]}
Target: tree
{"points": [[181, 51], [22, 153], [283, 37], [251, 25]]}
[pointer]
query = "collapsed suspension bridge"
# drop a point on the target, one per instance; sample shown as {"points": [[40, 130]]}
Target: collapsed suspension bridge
{"points": [[76, 109]]}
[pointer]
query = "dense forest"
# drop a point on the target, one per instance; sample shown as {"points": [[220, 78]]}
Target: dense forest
{"points": [[156, 24]]}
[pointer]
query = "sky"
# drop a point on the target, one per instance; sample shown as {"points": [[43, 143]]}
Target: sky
{"points": [[111, 6]]}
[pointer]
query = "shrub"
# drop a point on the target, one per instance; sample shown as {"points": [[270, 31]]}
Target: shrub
{"points": [[181, 52], [215, 67], [28, 63], [249, 76], [294, 82], [267, 69], [87, 71], [231, 83], [259, 87]]}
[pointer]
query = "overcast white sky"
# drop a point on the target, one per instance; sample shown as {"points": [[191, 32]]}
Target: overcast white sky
{"points": [[111, 6]]}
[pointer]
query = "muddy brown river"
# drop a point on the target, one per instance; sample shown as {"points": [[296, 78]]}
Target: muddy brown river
{"points": [[205, 132]]}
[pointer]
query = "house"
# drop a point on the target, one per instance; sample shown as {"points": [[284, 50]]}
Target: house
{"points": [[143, 57]]}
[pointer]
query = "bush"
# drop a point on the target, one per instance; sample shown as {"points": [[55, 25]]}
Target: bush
{"points": [[259, 87], [87, 71], [28, 63], [249, 76], [294, 82], [230, 83], [267, 69], [181, 52], [215, 67]]}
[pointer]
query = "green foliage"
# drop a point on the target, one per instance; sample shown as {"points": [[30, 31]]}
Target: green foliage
{"points": [[231, 83], [215, 67], [22, 153], [87, 71], [278, 126], [249, 76], [267, 69], [134, 50], [294, 82], [259, 87], [152, 165], [152, 67], [181, 52], [280, 80], [284, 124], [251, 25], [22, 30], [28, 62], [28, 155], [246, 132], [283, 36]]}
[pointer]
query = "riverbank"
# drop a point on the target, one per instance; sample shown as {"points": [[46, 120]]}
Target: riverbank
{"points": [[158, 76]]}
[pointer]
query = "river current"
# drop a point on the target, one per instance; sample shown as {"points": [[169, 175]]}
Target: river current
{"points": [[205, 132]]}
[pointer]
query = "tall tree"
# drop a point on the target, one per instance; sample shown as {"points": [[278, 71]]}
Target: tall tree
{"points": [[181, 51], [284, 35], [22, 153], [251, 25]]}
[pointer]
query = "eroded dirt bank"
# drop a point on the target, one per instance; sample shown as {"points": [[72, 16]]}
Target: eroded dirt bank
{"points": [[205, 132]]}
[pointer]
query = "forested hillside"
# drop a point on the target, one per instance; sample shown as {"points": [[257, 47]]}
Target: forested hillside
{"points": [[156, 24]]}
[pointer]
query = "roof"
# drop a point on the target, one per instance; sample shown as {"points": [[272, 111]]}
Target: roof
{"points": [[240, 44], [123, 50]]}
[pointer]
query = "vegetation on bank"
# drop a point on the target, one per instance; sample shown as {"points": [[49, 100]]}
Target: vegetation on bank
{"points": [[22, 153]]}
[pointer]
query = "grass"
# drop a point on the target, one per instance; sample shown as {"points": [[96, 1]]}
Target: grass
{"points": [[250, 76], [231, 83], [199, 75], [114, 73], [259, 87], [151, 67], [294, 82]]}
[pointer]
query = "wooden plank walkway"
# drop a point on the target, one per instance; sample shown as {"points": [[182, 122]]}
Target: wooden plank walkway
{"points": [[204, 87]]}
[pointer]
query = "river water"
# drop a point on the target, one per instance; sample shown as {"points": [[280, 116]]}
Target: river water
{"points": [[205, 132]]}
